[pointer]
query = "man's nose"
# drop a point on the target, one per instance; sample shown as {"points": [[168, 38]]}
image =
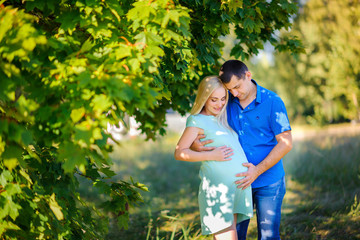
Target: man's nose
{"points": [[233, 92]]}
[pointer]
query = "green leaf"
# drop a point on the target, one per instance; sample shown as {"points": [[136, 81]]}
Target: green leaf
{"points": [[77, 114], [103, 187], [12, 189], [232, 5], [122, 221], [141, 186], [55, 208], [86, 46], [71, 156], [26, 176], [11, 163], [68, 20], [5, 225], [11, 155], [249, 25], [108, 172], [14, 210], [122, 52], [101, 103], [27, 138], [5, 177]]}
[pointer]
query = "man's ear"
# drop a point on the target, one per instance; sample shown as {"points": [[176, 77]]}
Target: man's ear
{"points": [[248, 74]]}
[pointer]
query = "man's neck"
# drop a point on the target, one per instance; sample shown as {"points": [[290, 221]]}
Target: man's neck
{"points": [[250, 98]]}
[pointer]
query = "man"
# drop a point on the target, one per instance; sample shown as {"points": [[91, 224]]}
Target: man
{"points": [[260, 119]]}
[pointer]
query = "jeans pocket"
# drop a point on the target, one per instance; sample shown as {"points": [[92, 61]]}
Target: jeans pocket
{"points": [[276, 189]]}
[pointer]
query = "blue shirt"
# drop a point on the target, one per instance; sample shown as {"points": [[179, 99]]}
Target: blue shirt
{"points": [[257, 125]]}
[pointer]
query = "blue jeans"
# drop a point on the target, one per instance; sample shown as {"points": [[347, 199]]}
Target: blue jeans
{"points": [[267, 202]]}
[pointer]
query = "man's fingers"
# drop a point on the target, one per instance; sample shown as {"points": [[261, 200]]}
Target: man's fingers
{"points": [[207, 142], [243, 174], [239, 182], [200, 136], [243, 186], [246, 165], [243, 183]]}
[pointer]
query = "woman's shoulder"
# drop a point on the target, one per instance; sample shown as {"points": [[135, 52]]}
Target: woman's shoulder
{"points": [[193, 120], [198, 120]]}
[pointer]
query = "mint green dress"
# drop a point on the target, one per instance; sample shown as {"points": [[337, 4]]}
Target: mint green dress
{"points": [[219, 198]]}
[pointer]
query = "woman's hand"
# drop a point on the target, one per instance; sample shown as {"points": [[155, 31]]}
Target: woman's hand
{"points": [[222, 153]]}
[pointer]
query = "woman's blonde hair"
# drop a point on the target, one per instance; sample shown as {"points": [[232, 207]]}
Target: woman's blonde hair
{"points": [[206, 87]]}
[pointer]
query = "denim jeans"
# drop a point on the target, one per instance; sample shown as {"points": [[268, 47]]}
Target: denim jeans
{"points": [[267, 202]]}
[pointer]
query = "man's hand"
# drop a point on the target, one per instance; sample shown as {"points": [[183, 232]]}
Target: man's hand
{"points": [[199, 146], [249, 176]]}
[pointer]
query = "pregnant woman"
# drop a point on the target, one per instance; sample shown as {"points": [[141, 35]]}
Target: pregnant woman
{"points": [[221, 203]]}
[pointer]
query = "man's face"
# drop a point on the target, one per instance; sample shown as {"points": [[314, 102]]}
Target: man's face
{"points": [[240, 88]]}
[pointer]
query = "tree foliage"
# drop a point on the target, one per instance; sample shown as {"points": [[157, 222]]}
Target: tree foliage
{"points": [[69, 67], [324, 84]]}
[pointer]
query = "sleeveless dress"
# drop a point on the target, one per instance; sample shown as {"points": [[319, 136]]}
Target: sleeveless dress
{"points": [[219, 198]]}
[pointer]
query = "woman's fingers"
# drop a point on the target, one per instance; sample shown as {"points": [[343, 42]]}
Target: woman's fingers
{"points": [[228, 152], [226, 148], [225, 153]]}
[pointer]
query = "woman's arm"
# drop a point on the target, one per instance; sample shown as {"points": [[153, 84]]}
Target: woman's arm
{"points": [[184, 153]]}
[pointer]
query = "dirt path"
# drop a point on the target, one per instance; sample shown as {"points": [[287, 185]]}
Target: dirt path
{"points": [[303, 133]]}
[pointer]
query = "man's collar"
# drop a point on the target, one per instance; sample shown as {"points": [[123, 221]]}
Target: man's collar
{"points": [[258, 92]]}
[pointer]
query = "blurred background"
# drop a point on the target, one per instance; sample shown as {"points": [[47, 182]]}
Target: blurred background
{"points": [[321, 91]]}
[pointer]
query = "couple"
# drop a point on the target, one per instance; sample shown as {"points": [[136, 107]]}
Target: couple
{"points": [[247, 133]]}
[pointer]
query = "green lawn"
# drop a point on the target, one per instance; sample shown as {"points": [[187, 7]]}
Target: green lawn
{"points": [[322, 199]]}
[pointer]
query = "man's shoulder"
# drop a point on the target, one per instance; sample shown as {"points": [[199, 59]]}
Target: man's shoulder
{"points": [[266, 91], [268, 95]]}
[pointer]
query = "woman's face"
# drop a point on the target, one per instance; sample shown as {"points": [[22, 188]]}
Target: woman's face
{"points": [[215, 102]]}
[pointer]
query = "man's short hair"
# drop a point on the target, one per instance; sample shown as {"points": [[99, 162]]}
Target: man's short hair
{"points": [[230, 68]]}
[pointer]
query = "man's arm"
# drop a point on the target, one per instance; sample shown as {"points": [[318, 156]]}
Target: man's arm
{"points": [[283, 146]]}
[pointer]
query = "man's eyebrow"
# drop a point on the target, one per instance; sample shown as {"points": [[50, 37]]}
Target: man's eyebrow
{"points": [[236, 85]]}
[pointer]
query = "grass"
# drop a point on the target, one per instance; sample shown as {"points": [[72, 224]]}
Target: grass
{"points": [[322, 199], [323, 188]]}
